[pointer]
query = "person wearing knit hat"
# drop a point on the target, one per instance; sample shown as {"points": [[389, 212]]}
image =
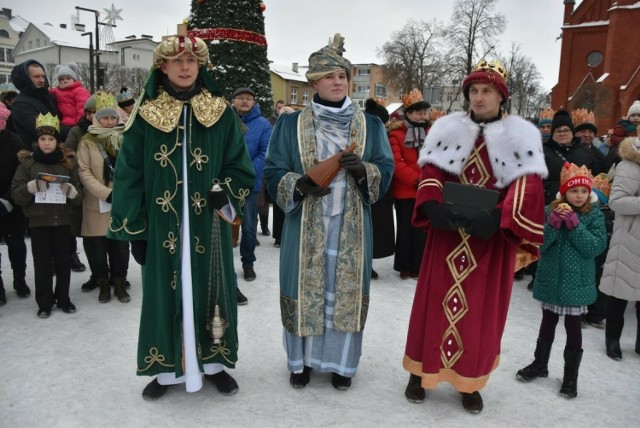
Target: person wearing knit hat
{"points": [[126, 102], [327, 269], [13, 223], [371, 106], [574, 235], [46, 200], [586, 130], [544, 123], [70, 94], [185, 252], [633, 115], [480, 151], [106, 106]]}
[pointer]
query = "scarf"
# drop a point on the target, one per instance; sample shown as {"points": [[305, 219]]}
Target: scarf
{"points": [[54, 157], [109, 138], [416, 133], [182, 95]]}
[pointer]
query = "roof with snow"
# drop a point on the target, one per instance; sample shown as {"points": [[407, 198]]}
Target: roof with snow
{"points": [[287, 73]]}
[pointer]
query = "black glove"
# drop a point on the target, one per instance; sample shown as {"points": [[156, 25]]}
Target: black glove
{"points": [[440, 217], [139, 251], [352, 163], [217, 198], [304, 186], [108, 200], [484, 226]]}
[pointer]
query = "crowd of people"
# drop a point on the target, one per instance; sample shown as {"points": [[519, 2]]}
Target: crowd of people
{"points": [[181, 174]]}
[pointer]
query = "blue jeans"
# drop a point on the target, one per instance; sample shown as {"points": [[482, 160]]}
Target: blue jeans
{"points": [[249, 228]]}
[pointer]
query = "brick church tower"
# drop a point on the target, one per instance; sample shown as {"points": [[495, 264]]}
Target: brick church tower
{"points": [[600, 59]]}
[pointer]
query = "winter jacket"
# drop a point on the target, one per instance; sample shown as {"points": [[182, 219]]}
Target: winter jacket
{"points": [[566, 271], [407, 171], [71, 101], [257, 138], [76, 133], [42, 215], [575, 152], [621, 277], [91, 172], [30, 102], [13, 222]]}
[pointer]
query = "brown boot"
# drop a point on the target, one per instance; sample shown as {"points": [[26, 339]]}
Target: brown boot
{"points": [[119, 290], [105, 290]]}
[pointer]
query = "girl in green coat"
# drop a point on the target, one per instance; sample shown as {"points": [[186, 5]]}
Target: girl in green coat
{"points": [[565, 282]]}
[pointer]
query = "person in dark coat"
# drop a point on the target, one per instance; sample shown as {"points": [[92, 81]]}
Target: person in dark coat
{"points": [[13, 223], [30, 79], [381, 211]]}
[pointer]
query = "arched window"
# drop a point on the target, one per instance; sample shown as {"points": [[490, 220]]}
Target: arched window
{"points": [[4, 33]]}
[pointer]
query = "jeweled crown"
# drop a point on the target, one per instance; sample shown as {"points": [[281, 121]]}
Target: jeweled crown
{"points": [[493, 66], [105, 100], [48, 120]]}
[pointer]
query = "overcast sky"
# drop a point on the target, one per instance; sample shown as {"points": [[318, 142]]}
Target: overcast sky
{"points": [[295, 28]]}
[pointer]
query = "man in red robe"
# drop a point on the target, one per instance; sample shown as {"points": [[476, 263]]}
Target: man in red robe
{"points": [[463, 292]]}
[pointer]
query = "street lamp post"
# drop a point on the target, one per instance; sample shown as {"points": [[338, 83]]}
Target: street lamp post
{"points": [[97, 62], [92, 82]]}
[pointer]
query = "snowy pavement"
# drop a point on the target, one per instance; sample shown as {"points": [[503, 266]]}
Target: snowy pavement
{"points": [[78, 370]]}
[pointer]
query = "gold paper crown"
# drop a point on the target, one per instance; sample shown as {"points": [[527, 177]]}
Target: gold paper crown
{"points": [[571, 170], [493, 66], [582, 115], [47, 121], [105, 100], [602, 183], [547, 114], [436, 114], [412, 97], [174, 46]]}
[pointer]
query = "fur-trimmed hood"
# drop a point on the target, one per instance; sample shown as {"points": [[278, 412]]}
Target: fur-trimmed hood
{"points": [[630, 149], [514, 146], [27, 154]]}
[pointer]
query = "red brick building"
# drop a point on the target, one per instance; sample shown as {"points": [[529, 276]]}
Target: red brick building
{"points": [[600, 59]]}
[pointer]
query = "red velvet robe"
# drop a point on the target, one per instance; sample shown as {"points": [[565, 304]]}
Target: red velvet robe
{"points": [[463, 292]]}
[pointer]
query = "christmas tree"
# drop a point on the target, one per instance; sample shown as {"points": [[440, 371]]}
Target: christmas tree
{"points": [[234, 32]]}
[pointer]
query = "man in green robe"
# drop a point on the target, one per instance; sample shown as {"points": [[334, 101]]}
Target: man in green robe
{"points": [[182, 176]]}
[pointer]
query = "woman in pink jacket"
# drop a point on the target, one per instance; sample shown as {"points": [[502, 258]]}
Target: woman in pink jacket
{"points": [[70, 94]]}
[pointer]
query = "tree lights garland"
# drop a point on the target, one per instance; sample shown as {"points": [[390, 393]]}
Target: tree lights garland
{"points": [[229, 34]]}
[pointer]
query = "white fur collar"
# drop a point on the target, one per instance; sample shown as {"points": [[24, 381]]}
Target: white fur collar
{"points": [[514, 146]]}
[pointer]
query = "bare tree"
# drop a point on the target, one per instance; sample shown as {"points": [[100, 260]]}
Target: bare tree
{"points": [[472, 34], [413, 56], [524, 82]]}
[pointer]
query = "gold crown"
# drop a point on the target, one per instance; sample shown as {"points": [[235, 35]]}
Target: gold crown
{"points": [[47, 120], [547, 114], [494, 67], [174, 46], [436, 114], [412, 97], [571, 170], [105, 100], [582, 115], [602, 183]]}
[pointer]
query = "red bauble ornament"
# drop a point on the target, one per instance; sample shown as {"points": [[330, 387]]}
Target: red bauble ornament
{"points": [[200, 1], [262, 7]]}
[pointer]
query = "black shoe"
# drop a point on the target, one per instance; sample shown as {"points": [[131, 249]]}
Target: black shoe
{"points": [[90, 285], [414, 390], [266, 231], [68, 308], [224, 382], [472, 402], [76, 264], [277, 243], [613, 349], [44, 313], [300, 380], [241, 299], [597, 324], [374, 274], [21, 287], [341, 383], [249, 273], [154, 390]]}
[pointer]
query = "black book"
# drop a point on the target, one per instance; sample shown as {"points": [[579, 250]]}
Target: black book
{"points": [[469, 200]]}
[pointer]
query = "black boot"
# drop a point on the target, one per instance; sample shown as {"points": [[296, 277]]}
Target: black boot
{"points": [[223, 381], [572, 359], [613, 349], [539, 367], [21, 287], [90, 285], [339, 382], [472, 402], [414, 390], [264, 225], [153, 390], [105, 290], [76, 264], [300, 380]]}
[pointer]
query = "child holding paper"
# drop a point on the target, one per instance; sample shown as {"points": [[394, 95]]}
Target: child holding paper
{"points": [[48, 215], [97, 154]]}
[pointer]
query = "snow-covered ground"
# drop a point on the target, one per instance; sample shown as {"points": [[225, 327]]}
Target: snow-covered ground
{"points": [[79, 370]]}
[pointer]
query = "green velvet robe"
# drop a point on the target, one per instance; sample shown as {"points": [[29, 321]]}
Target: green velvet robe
{"points": [[147, 195]]}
